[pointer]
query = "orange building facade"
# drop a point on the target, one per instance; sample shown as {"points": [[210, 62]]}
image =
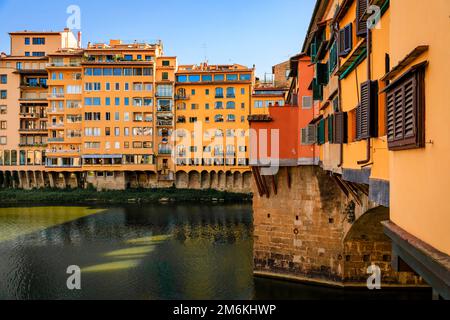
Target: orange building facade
{"points": [[111, 116]]}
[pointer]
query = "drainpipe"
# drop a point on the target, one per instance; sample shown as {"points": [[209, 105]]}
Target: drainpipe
{"points": [[369, 77], [341, 156]]}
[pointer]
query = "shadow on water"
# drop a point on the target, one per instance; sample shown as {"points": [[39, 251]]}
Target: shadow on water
{"points": [[133, 252]]}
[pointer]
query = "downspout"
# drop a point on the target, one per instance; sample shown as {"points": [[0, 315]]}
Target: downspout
{"points": [[369, 77], [341, 156]]}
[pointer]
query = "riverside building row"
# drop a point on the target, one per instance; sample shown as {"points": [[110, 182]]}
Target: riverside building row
{"points": [[121, 115]]}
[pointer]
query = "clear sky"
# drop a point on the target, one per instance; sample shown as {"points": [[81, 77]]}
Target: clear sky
{"points": [[260, 32]]}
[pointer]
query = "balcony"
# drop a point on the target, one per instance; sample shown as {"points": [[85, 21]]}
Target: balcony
{"points": [[55, 110], [37, 130], [166, 109], [50, 140], [54, 151], [56, 95], [182, 97], [56, 126], [34, 96], [64, 65], [31, 115], [33, 85], [165, 151], [164, 94]]}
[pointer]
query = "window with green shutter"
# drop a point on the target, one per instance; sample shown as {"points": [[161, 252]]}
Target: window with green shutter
{"points": [[322, 73], [317, 90], [321, 132]]}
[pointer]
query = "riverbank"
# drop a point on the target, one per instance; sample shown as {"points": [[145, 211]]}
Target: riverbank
{"points": [[73, 196]]}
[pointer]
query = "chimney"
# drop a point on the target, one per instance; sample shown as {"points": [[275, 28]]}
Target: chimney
{"points": [[79, 39]]}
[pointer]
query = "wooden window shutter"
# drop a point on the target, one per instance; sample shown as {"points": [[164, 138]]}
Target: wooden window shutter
{"points": [[317, 90], [345, 40], [358, 123], [321, 132], [361, 20], [330, 129], [405, 108], [311, 134], [340, 128], [322, 73], [305, 136], [368, 110]]}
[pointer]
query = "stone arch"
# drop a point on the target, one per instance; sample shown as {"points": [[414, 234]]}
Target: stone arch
{"points": [[182, 180], [237, 181], [205, 180], [365, 244], [194, 180], [229, 181], [221, 180], [214, 180]]}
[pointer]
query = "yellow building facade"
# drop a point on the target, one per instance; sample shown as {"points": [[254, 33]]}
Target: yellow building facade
{"points": [[379, 76], [212, 106]]}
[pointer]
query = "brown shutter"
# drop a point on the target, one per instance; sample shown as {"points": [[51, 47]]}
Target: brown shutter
{"points": [[368, 110], [361, 22], [358, 123], [340, 128], [405, 111], [341, 46]]}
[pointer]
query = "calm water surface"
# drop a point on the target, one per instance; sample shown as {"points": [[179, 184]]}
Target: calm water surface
{"points": [[133, 252]]}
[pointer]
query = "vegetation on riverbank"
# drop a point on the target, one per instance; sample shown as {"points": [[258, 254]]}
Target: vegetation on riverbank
{"points": [[69, 196]]}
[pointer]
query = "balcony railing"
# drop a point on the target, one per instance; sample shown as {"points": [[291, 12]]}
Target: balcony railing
{"points": [[56, 95], [34, 85], [55, 140], [33, 129], [164, 109], [165, 151], [164, 123], [34, 96], [164, 94], [54, 151], [182, 97], [55, 125]]}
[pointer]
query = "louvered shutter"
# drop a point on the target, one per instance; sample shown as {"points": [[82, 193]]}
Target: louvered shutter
{"points": [[305, 136], [340, 127], [345, 40], [331, 128], [358, 123], [317, 90], [405, 114], [321, 132], [322, 73], [312, 134], [368, 113], [341, 42], [361, 20]]}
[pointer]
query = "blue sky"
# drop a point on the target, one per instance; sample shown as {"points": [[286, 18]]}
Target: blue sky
{"points": [[260, 32]]}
